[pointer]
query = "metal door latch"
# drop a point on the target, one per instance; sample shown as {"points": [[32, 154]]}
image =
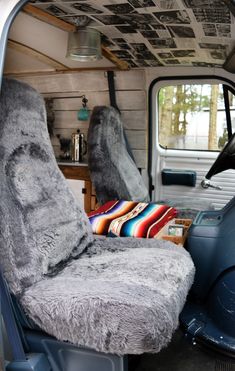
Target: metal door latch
{"points": [[206, 183]]}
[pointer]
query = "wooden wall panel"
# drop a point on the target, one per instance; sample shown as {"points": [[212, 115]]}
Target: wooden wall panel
{"points": [[140, 157], [85, 81], [133, 79], [67, 133], [55, 83], [126, 100], [136, 139], [132, 120], [68, 119], [130, 96]]}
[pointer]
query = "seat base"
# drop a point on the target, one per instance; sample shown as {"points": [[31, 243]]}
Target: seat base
{"points": [[65, 356]]}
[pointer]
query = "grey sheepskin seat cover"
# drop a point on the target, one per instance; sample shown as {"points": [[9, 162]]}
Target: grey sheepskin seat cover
{"points": [[113, 172], [116, 295]]}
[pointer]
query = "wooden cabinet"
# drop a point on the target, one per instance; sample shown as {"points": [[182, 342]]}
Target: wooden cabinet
{"points": [[80, 172]]}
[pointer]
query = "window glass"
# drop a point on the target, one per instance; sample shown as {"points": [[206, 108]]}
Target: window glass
{"points": [[192, 116]]}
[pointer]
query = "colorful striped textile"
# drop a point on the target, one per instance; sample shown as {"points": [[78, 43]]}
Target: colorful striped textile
{"points": [[130, 219]]}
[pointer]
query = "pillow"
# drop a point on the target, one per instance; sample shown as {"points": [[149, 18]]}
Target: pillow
{"points": [[130, 218]]}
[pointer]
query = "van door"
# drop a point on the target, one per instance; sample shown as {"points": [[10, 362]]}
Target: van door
{"points": [[191, 120]]}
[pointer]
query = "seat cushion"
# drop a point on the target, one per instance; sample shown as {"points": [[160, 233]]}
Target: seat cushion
{"points": [[122, 296]]}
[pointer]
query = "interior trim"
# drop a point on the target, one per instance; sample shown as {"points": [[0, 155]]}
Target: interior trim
{"points": [[4, 35], [229, 64]]}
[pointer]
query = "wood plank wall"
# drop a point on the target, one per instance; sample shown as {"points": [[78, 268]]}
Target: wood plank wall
{"points": [[130, 96]]}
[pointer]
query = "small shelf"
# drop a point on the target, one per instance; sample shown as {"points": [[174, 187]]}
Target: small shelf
{"points": [[70, 162], [178, 240]]}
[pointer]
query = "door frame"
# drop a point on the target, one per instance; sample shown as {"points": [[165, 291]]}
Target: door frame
{"points": [[5, 30], [152, 114]]}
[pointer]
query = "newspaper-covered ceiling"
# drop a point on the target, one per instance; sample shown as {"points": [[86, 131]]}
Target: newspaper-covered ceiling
{"points": [[149, 33]]}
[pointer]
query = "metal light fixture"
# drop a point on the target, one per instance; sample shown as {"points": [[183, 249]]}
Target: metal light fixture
{"points": [[84, 45]]}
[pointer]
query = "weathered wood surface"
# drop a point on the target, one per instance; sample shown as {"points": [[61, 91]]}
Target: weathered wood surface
{"points": [[130, 95], [85, 81], [75, 172], [132, 120], [137, 139], [140, 157], [126, 100]]}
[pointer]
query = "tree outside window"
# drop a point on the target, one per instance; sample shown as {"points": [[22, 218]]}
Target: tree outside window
{"points": [[192, 116]]}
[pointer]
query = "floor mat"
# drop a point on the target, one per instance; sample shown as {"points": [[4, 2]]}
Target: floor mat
{"points": [[181, 355], [221, 365]]}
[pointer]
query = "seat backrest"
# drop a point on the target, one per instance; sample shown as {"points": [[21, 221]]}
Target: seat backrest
{"points": [[41, 224], [113, 172]]}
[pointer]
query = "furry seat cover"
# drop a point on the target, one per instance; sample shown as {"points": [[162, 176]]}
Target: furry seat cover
{"points": [[123, 296], [40, 222], [113, 295], [113, 172]]}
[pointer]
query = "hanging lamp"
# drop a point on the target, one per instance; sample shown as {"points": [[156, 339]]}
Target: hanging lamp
{"points": [[84, 45]]}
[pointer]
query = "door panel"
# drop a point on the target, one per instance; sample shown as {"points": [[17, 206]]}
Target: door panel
{"points": [[200, 165]]}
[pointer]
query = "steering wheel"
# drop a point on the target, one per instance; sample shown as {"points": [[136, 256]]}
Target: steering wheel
{"points": [[225, 159]]}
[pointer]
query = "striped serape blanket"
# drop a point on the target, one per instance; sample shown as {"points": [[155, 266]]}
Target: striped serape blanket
{"points": [[130, 219]]}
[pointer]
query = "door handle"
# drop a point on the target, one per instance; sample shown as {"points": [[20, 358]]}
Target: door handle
{"points": [[206, 183]]}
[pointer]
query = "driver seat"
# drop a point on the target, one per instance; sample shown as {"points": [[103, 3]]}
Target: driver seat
{"points": [[112, 295]]}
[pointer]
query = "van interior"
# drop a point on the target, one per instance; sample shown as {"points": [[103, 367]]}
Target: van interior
{"points": [[117, 142]]}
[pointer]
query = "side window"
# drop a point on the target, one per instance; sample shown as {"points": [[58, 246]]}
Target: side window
{"points": [[192, 116]]}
